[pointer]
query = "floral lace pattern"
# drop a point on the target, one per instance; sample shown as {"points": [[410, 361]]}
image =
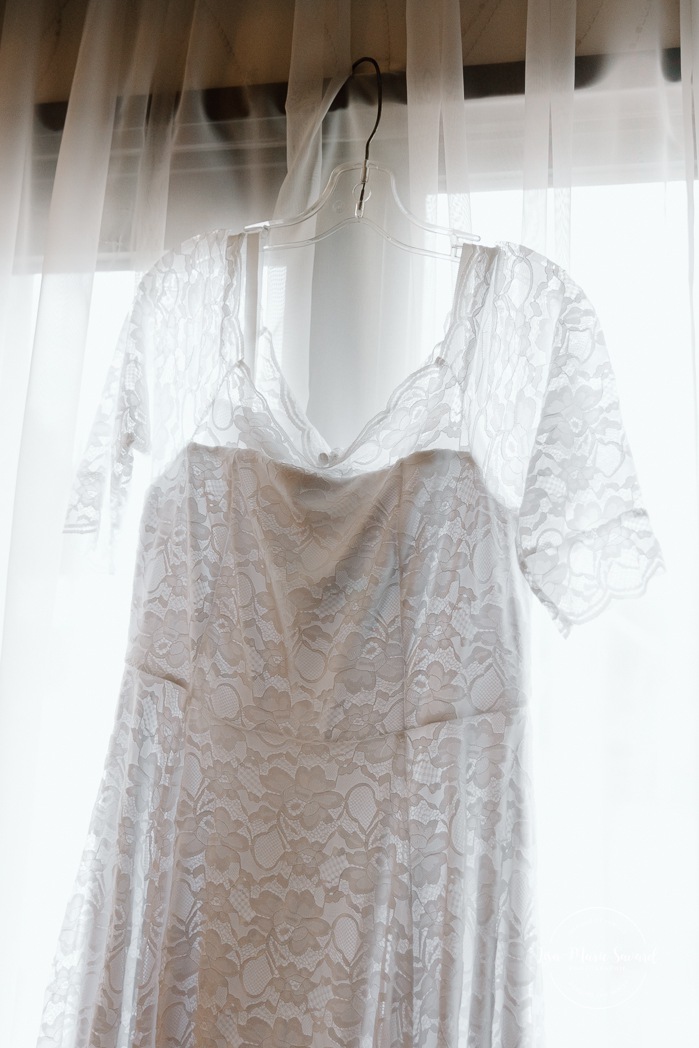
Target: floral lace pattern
{"points": [[314, 826]]}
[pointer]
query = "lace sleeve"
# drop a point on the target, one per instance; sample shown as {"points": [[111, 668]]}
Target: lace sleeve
{"points": [[178, 343], [584, 536], [121, 424]]}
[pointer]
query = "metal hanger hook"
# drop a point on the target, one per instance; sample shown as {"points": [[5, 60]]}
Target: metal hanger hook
{"points": [[359, 209]]}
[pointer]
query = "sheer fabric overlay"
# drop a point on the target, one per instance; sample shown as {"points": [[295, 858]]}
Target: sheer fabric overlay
{"points": [[315, 823], [522, 382]]}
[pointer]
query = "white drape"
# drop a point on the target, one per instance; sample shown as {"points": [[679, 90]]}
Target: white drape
{"points": [[601, 178]]}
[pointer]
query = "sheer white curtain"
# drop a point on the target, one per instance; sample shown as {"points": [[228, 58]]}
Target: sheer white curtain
{"points": [[598, 176]]}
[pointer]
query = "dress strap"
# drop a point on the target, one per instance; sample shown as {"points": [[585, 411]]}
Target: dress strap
{"points": [[251, 298]]}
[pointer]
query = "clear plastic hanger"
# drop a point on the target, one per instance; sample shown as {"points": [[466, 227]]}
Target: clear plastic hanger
{"points": [[371, 200]]}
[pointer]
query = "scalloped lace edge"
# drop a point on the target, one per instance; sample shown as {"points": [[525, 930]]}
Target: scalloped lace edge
{"points": [[653, 566]]}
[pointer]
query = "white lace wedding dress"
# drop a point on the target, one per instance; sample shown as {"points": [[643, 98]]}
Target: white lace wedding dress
{"points": [[314, 826]]}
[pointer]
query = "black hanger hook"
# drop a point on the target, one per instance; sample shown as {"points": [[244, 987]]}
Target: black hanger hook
{"points": [[359, 210]]}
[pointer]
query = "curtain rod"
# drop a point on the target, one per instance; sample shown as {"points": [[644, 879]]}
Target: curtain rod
{"points": [[500, 79]]}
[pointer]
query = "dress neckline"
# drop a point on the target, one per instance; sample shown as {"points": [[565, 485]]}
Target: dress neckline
{"points": [[315, 449]]}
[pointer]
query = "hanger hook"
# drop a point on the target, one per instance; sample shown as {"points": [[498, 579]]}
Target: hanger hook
{"points": [[359, 210]]}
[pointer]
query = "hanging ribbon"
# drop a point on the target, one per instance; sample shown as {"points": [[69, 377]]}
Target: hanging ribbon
{"points": [[548, 124], [436, 110]]}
